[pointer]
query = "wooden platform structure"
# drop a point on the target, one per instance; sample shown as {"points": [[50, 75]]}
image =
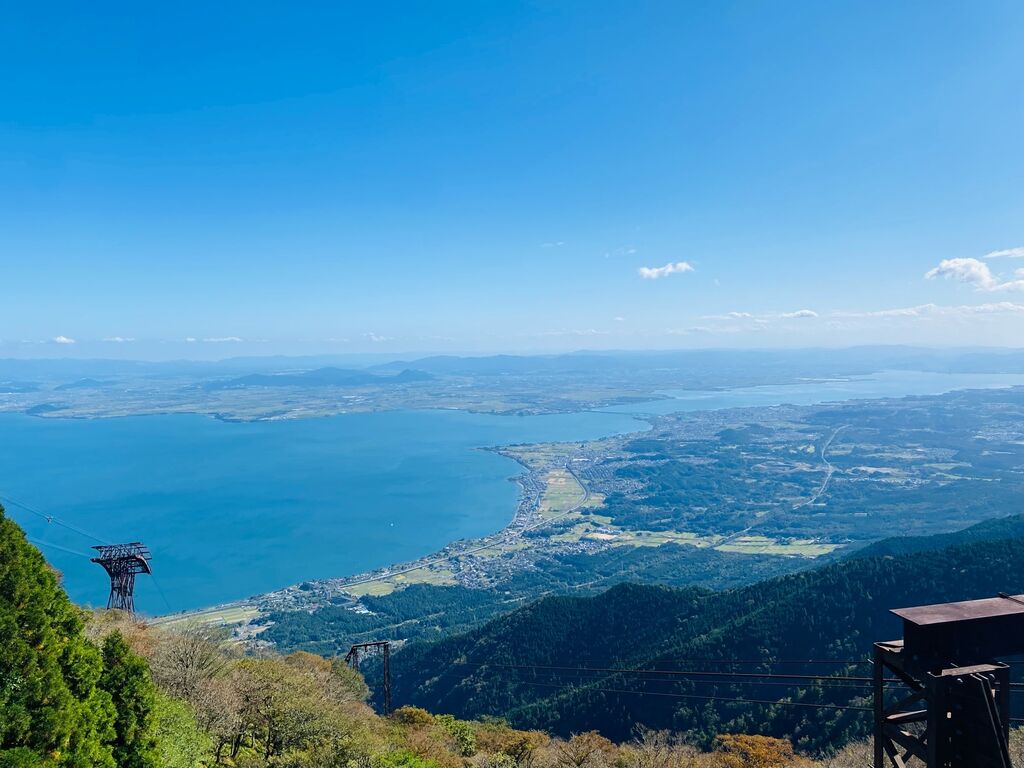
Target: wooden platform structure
{"points": [[951, 705]]}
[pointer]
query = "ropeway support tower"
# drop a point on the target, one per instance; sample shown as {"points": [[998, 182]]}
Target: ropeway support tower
{"points": [[383, 647], [122, 562]]}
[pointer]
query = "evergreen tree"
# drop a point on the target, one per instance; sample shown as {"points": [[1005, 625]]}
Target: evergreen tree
{"points": [[52, 711], [126, 678]]}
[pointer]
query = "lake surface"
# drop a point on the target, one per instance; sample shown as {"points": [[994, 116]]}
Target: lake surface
{"points": [[235, 509], [876, 385]]}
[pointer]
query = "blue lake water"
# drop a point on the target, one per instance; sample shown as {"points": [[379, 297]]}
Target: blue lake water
{"points": [[235, 509], [876, 385]]}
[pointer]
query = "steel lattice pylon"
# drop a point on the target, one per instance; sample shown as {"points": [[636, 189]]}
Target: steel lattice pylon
{"points": [[122, 562], [360, 650]]}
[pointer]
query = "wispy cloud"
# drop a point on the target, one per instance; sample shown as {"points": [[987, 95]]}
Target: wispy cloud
{"points": [[63, 340], [625, 250], [997, 313], [691, 331], [376, 338], [553, 244], [799, 314], [765, 317], [119, 339], [1006, 253], [574, 332], [654, 273], [727, 329], [939, 311], [973, 272], [222, 340]]}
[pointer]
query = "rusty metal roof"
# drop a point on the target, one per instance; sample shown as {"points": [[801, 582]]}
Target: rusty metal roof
{"points": [[968, 610]]}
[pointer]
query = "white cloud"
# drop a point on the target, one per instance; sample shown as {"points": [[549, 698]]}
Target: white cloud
{"points": [[653, 273], [800, 313], [555, 244], [1008, 253], [119, 339], [375, 338], [973, 272], [222, 340], [965, 271], [191, 339], [63, 340], [619, 319]]}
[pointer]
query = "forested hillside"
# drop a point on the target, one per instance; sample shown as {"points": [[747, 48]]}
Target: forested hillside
{"points": [[428, 612], [103, 690], [553, 664], [996, 529], [663, 672]]}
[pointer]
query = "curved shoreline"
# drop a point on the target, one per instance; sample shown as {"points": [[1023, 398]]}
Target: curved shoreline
{"points": [[319, 591]]}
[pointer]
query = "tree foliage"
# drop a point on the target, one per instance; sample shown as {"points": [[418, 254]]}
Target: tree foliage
{"points": [[126, 679], [751, 751], [181, 743], [52, 710]]}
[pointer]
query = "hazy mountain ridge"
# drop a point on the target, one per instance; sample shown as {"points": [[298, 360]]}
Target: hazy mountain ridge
{"points": [[323, 377], [850, 360], [273, 387], [997, 529], [845, 361]]}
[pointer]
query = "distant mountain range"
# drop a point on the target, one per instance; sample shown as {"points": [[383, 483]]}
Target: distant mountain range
{"points": [[322, 377], [553, 664], [86, 383], [814, 362]]}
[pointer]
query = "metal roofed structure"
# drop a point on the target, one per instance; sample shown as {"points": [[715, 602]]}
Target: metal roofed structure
{"points": [[963, 633], [952, 708]]}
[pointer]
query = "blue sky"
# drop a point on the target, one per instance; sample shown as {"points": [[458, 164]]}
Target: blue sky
{"points": [[204, 180]]}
